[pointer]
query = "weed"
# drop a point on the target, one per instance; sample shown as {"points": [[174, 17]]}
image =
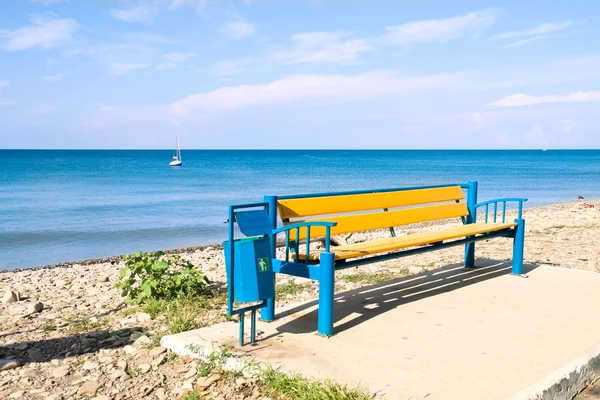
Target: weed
{"points": [[81, 323], [290, 289], [192, 396], [154, 276], [48, 327], [366, 278]]}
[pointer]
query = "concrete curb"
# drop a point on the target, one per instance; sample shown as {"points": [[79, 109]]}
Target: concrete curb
{"points": [[566, 382]]}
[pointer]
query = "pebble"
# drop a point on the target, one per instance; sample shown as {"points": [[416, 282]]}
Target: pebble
{"points": [[89, 387], [6, 365], [10, 296], [101, 398], [16, 395], [35, 308], [160, 394], [187, 386], [157, 351], [190, 373], [119, 374], [103, 278], [122, 364], [61, 372], [145, 368], [89, 365], [161, 359], [129, 349], [206, 381], [144, 317]]}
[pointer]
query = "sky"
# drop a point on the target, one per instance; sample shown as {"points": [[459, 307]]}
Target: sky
{"points": [[299, 74]]}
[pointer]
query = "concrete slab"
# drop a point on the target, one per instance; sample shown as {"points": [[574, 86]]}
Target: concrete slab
{"points": [[450, 333]]}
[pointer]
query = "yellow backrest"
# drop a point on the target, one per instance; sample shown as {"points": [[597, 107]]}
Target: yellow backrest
{"points": [[304, 208]]}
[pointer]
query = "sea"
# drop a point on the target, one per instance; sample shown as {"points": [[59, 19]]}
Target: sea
{"points": [[68, 205]]}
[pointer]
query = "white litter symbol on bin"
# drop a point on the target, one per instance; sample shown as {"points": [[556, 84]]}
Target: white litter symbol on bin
{"points": [[263, 264]]}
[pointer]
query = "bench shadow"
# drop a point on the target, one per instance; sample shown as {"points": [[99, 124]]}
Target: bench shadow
{"points": [[356, 306], [36, 351]]}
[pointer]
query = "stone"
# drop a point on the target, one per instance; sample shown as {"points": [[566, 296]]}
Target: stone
{"points": [[10, 296], [102, 398], [90, 365], [103, 278], [30, 373], [141, 340], [160, 394], [145, 368], [22, 346], [187, 386], [35, 308], [60, 283], [190, 373], [129, 349], [144, 317], [61, 372], [206, 381], [89, 387], [157, 351], [17, 394], [6, 365], [159, 360], [240, 381], [122, 364]]}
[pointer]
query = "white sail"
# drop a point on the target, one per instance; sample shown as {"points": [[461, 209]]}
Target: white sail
{"points": [[177, 157]]}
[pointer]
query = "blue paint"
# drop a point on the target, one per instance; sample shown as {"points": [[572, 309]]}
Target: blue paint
{"points": [[326, 290], [518, 247], [268, 313], [470, 219]]}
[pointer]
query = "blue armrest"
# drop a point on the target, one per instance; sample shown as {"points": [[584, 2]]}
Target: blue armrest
{"points": [[306, 225], [503, 200]]}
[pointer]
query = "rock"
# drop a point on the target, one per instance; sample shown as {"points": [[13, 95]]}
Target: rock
{"points": [[119, 374], [206, 381], [240, 381], [122, 364], [30, 373], [190, 373], [145, 368], [90, 365], [129, 349], [157, 351], [102, 398], [60, 283], [5, 365], [10, 296], [103, 278], [161, 359], [89, 387], [141, 340], [144, 317], [35, 308], [61, 372], [160, 394], [22, 346], [17, 395], [187, 386]]}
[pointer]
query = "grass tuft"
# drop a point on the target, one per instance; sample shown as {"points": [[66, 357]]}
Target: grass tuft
{"points": [[365, 278], [290, 289]]}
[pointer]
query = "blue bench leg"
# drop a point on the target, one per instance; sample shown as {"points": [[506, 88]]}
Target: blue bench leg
{"points": [[326, 288], [470, 255], [518, 244], [268, 313]]}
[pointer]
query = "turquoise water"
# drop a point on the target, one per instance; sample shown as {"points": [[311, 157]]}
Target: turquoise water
{"points": [[58, 206]]}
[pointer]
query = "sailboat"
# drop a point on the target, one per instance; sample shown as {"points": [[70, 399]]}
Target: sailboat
{"points": [[176, 162]]}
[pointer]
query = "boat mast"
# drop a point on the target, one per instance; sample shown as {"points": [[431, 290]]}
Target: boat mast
{"points": [[178, 153]]}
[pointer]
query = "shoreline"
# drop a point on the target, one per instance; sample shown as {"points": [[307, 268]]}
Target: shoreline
{"points": [[115, 259]]}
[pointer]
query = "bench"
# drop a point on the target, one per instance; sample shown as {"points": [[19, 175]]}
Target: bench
{"points": [[310, 217]]}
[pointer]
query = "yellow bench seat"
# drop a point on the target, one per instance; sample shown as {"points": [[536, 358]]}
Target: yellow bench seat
{"points": [[418, 239]]}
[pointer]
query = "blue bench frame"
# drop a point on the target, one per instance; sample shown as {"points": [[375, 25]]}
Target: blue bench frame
{"points": [[324, 271]]}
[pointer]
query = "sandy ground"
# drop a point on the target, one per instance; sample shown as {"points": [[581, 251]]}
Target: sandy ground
{"points": [[41, 356]]}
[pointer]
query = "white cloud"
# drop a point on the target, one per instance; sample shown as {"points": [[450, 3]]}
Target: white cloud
{"points": [[117, 68], [520, 99], [231, 67], [237, 30], [108, 107], [53, 78], [321, 47], [335, 88], [538, 30], [523, 42], [441, 30], [44, 31], [140, 13], [172, 60]]}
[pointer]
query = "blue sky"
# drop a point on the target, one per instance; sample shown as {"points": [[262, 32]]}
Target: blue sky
{"points": [[299, 74]]}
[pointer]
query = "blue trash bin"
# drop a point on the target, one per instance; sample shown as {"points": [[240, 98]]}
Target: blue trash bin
{"points": [[252, 271]]}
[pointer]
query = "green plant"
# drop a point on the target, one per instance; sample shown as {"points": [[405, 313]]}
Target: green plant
{"points": [[48, 327], [156, 276], [81, 323]]}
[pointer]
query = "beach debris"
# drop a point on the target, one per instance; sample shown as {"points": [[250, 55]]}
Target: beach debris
{"points": [[11, 296]]}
